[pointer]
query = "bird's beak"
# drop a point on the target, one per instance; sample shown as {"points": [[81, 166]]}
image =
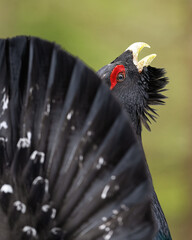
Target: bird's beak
{"points": [[136, 48]]}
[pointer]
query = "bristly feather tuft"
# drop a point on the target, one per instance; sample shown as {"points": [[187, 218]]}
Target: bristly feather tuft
{"points": [[153, 81]]}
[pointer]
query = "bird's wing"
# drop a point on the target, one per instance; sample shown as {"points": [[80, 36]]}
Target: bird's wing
{"points": [[70, 165]]}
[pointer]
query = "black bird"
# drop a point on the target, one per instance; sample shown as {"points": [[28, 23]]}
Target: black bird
{"points": [[137, 86], [71, 167]]}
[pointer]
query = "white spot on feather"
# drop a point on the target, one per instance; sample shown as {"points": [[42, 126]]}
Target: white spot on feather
{"points": [[40, 154], [53, 214], [25, 142], [30, 90], [108, 236], [48, 108], [70, 114], [55, 230], [29, 136], [89, 133], [6, 188], [3, 139], [113, 177], [72, 128], [120, 220], [20, 206], [124, 207], [104, 219], [3, 125], [46, 207], [37, 179], [115, 211], [100, 163], [5, 102], [102, 227], [46, 185], [81, 158], [3, 90], [30, 231], [105, 191]]}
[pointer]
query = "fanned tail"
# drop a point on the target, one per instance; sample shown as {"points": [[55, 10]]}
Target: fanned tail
{"points": [[70, 167]]}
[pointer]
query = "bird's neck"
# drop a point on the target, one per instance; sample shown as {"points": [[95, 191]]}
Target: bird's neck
{"points": [[135, 120]]}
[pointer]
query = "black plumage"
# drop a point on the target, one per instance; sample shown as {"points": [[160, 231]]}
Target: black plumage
{"points": [[136, 90], [71, 166]]}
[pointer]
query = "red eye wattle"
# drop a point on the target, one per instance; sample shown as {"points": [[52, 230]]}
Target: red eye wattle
{"points": [[117, 75]]}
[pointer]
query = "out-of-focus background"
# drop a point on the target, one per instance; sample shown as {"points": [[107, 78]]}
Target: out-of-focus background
{"points": [[97, 32]]}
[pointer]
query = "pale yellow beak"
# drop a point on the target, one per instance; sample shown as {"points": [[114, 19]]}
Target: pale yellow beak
{"points": [[136, 48]]}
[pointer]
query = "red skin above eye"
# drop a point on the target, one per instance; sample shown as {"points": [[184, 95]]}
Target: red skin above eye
{"points": [[113, 77]]}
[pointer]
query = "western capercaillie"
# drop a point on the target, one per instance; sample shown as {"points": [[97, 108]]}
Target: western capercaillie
{"points": [[71, 166], [137, 86]]}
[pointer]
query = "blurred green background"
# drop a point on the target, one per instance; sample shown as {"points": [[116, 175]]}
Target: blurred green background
{"points": [[97, 32]]}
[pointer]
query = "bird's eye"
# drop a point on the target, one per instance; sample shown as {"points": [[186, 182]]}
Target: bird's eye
{"points": [[120, 77], [117, 75]]}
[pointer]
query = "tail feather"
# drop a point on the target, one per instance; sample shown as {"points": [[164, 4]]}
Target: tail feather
{"points": [[70, 167]]}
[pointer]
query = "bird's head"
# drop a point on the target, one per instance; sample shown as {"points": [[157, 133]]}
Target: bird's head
{"points": [[135, 84]]}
